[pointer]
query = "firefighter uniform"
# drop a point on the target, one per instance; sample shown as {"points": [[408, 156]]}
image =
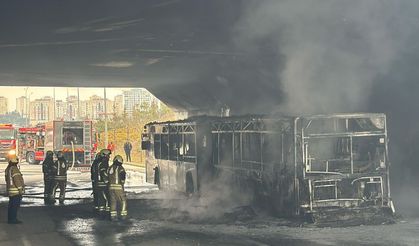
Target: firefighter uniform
{"points": [[60, 177], [94, 177], [118, 200], [102, 180], [15, 188], [48, 169]]}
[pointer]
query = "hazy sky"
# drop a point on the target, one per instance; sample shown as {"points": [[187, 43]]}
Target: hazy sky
{"points": [[13, 92]]}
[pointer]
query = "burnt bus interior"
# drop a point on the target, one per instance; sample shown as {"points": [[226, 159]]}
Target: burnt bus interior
{"points": [[345, 161], [303, 164]]}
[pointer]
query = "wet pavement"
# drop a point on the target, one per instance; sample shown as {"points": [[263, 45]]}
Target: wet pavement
{"points": [[163, 218]]}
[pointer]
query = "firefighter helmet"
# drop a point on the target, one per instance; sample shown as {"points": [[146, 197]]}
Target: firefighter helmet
{"points": [[13, 159], [49, 154], [105, 152], [60, 155], [118, 160]]}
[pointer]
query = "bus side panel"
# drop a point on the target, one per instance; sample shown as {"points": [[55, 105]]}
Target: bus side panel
{"points": [[204, 170], [150, 163]]}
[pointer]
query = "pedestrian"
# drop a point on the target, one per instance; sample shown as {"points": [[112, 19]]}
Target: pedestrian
{"points": [[15, 188], [111, 146], [60, 177], [127, 149], [118, 200], [94, 177], [48, 168], [102, 180], [157, 176]]}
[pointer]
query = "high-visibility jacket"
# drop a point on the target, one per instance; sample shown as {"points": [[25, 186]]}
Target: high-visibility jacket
{"points": [[14, 181], [61, 169], [116, 176]]}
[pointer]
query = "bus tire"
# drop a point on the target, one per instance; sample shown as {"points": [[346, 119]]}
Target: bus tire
{"points": [[30, 158], [189, 184]]}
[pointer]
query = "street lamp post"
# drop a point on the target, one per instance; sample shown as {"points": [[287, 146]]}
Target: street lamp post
{"points": [[106, 117]]}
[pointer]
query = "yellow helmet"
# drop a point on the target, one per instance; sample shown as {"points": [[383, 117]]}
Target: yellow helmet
{"points": [[13, 159]]}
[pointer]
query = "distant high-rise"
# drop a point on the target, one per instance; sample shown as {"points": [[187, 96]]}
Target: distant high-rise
{"points": [[83, 109], [118, 105], [21, 106], [135, 99], [96, 107], [72, 108], [41, 110], [60, 109], [3, 105]]}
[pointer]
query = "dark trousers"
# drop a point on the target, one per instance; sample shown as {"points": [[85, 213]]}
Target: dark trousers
{"points": [[103, 198], [48, 185], [14, 204], [128, 155], [62, 185], [95, 197]]}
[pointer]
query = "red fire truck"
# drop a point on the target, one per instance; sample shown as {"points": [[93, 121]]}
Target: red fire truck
{"points": [[31, 143], [74, 138], [7, 140]]}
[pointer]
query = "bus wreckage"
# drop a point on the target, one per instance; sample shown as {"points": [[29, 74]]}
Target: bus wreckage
{"points": [[327, 168]]}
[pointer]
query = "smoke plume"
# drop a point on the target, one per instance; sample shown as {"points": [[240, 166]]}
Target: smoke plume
{"points": [[333, 50]]}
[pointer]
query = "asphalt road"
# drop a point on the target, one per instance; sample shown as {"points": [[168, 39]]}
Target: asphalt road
{"points": [[164, 218]]}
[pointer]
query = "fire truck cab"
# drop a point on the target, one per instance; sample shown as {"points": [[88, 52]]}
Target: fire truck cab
{"points": [[7, 140], [32, 143]]}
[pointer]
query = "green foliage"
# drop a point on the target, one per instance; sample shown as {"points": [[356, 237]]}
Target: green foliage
{"points": [[122, 128]]}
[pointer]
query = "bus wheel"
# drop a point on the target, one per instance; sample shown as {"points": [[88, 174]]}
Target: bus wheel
{"points": [[30, 158], [189, 184]]}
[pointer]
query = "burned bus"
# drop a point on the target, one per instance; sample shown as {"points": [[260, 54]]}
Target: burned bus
{"points": [[309, 165]]}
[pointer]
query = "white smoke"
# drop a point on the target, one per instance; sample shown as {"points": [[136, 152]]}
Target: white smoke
{"points": [[333, 49]]}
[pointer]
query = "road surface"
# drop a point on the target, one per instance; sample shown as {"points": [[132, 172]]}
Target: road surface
{"points": [[162, 218]]}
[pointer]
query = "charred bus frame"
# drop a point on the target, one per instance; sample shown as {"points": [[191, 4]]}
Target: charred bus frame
{"points": [[301, 164]]}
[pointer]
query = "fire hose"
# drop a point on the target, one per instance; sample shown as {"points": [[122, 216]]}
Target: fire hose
{"points": [[74, 155], [37, 195]]}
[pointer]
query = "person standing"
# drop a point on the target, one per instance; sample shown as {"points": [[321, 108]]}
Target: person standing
{"points": [[111, 147], [118, 200], [127, 149], [48, 169], [102, 180], [60, 178], [15, 188], [94, 177], [157, 176]]}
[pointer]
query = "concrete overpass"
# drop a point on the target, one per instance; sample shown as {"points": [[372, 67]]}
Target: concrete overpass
{"points": [[184, 51]]}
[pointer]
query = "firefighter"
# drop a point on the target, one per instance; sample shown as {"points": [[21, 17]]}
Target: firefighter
{"points": [[48, 168], [15, 187], [94, 178], [60, 177], [118, 200], [102, 180], [156, 176]]}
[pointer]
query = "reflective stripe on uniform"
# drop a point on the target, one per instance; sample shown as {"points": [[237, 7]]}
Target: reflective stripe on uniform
{"points": [[124, 213], [115, 187], [116, 175], [16, 174], [60, 177]]}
